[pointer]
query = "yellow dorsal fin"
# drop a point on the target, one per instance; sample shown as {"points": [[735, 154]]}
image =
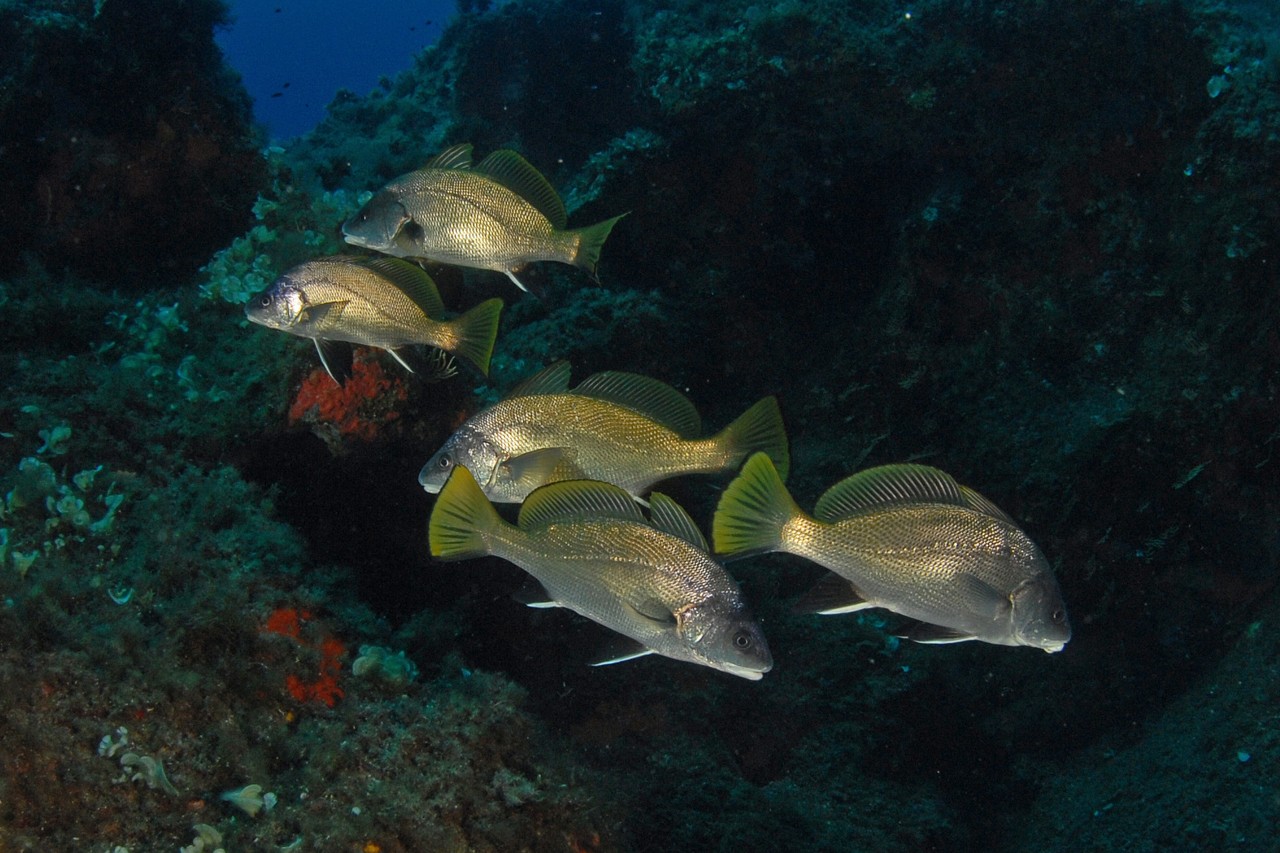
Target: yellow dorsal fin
{"points": [[552, 379], [645, 396], [978, 503], [454, 157], [514, 172], [412, 280], [669, 517], [575, 500], [877, 488]]}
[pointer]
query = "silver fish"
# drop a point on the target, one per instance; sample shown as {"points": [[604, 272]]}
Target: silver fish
{"points": [[379, 302], [592, 551], [497, 215], [620, 428], [907, 538]]}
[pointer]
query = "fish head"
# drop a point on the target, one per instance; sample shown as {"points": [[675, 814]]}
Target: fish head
{"points": [[467, 447], [725, 638], [380, 225], [280, 306], [1039, 616]]}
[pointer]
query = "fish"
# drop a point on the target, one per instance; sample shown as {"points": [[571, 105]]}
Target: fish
{"points": [[909, 539], [591, 550], [620, 428], [498, 215], [377, 302]]}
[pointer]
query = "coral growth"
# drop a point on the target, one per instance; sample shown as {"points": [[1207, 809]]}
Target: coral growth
{"points": [[359, 408]]}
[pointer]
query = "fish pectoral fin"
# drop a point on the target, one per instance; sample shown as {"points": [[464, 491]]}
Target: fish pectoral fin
{"points": [[323, 315], [546, 465], [923, 632], [655, 611], [831, 595], [337, 358], [534, 594], [621, 649]]}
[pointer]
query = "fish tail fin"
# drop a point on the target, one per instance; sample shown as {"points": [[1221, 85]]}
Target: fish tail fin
{"points": [[758, 429], [475, 332], [753, 511], [463, 521], [589, 243]]}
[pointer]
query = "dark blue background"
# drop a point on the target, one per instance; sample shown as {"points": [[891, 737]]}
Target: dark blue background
{"points": [[295, 55]]}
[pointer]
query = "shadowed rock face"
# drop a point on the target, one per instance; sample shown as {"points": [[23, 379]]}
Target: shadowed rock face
{"points": [[129, 154]]}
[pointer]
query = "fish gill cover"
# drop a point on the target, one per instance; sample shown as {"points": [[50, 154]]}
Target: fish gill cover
{"points": [[1030, 244]]}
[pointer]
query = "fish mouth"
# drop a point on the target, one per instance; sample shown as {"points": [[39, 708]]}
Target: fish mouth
{"points": [[744, 672], [355, 239]]}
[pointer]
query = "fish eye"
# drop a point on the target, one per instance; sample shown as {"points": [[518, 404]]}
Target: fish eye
{"points": [[742, 640], [265, 300], [444, 463], [1058, 615]]}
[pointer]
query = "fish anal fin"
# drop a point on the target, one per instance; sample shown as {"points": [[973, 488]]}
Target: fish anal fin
{"points": [[831, 595], [533, 594], [621, 649], [935, 635], [337, 357]]}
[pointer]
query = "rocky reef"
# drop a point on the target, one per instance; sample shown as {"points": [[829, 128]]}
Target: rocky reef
{"points": [[1029, 243], [129, 151]]}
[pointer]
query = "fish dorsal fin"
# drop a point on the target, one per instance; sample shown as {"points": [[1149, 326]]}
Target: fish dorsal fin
{"points": [[514, 172], [669, 517], [876, 488], [575, 500], [454, 157], [645, 396], [413, 281], [978, 503], [552, 379]]}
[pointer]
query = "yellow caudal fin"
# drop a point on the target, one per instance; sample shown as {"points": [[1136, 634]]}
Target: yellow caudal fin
{"points": [[474, 334], [758, 430], [463, 520], [753, 511], [590, 241]]}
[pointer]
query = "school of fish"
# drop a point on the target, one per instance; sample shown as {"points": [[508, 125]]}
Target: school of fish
{"points": [[581, 462]]}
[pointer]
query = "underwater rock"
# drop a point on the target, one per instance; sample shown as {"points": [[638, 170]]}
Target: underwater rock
{"points": [[129, 150]]}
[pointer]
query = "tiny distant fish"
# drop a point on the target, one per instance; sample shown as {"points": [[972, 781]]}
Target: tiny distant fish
{"points": [[907, 538], [591, 550], [382, 302], [498, 215], [620, 428]]}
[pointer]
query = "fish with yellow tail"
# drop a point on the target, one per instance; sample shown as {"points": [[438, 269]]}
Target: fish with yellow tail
{"points": [[906, 538], [620, 428], [590, 549], [499, 214], [379, 302]]}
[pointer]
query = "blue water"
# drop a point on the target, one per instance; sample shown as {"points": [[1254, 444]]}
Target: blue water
{"points": [[294, 56]]}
